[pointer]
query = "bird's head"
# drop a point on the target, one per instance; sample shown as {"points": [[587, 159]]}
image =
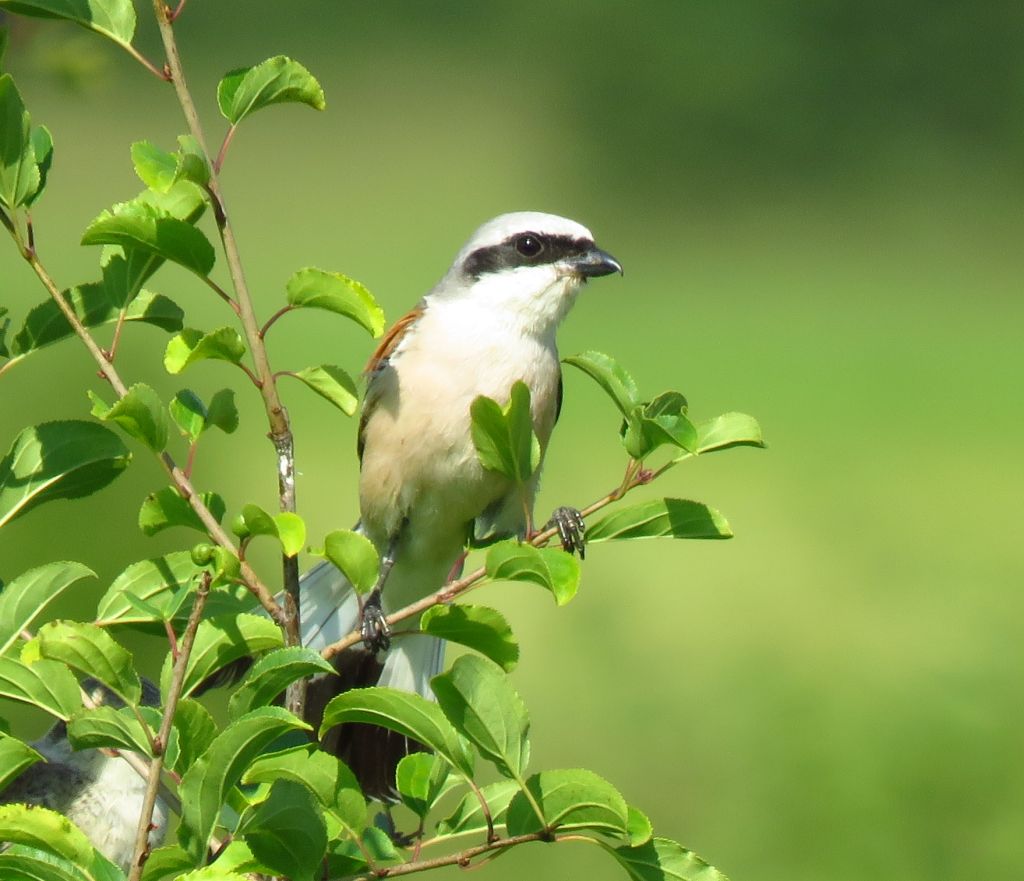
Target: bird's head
{"points": [[526, 266]]}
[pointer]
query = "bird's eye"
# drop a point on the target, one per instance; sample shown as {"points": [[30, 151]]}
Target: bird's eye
{"points": [[529, 245]]}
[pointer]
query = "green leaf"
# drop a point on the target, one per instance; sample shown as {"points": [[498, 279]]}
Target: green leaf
{"points": [[422, 779], [4, 36], [58, 460], [660, 422], [661, 518], [107, 727], [213, 873], [286, 832], [274, 81], [468, 817], [272, 674], [189, 346], [729, 430], [25, 598], [638, 826], [166, 508], [94, 652], [504, 437], [140, 414], [45, 324], [480, 628], [331, 383], [661, 859], [551, 568], [189, 413], [313, 288], [45, 684], [569, 799], [196, 731], [44, 830], [218, 642], [328, 778], [42, 148], [138, 224], [19, 174], [21, 863], [408, 714], [222, 411], [160, 170], [478, 700], [166, 863], [111, 18], [206, 784], [287, 528], [611, 376], [355, 555], [15, 757]]}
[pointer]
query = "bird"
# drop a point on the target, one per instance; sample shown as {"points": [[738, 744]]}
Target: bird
{"points": [[94, 788], [490, 322]]}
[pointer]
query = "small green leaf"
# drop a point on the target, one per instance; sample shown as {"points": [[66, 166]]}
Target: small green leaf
{"points": [[138, 224], [569, 799], [661, 518], [58, 460], [222, 411], [189, 413], [45, 324], [355, 555], [218, 642], [205, 785], [328, 778], [44, 830], [478, 700], [45, 684], [42, 148], [189, 346], [114, 19], [611, 376], [638, 826], [166, 863], [468, 817], [94, 652], [551, 568], [274, 81], [272, 674], [316, 289], [140, 414], [480, 628], [333, 384], [160, 170], [286, 832], [213, 873], [166, 508], [422, 779], [661, 859], [287, 528], [19, 174], [408, 714], [107, 727], [25, 598], [196, 731], [729, 430], [15, 757], [660, 422], [504, 437]]}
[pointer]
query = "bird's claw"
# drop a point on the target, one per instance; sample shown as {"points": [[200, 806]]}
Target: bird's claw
{"points": [[571, 530], [373, 626]]}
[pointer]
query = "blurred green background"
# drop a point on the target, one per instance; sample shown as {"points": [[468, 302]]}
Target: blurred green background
{"points": [[818, 206]]}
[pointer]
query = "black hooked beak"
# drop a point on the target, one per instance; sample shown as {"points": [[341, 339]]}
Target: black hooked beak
{"points": [[595, 263]]}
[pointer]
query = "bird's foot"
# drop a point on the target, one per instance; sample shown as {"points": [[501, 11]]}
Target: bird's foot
{"points": [[571, 530], [373, 626]]}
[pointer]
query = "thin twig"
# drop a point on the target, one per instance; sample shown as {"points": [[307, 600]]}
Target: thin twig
{"points": [[462, 858], [163, 736], [223, 152], [145, 62], [277, 417], [284, 310]]}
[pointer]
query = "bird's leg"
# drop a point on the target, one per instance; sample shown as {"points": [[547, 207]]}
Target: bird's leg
{"points": [[571, 530], [373, 626]]}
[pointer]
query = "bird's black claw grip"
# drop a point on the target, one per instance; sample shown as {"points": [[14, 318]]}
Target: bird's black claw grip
{"points": [[373, 626], [571, 530]]}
